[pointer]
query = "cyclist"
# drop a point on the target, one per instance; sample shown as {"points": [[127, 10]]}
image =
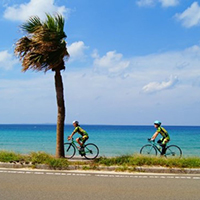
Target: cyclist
{"points": [[84, 135], [165, 136]]}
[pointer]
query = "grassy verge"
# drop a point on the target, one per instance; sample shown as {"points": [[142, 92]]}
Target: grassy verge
{"points": [[122, 162], [34, 159], [138, 160]]}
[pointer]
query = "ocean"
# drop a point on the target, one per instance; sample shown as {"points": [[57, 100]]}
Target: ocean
{"points": [[111, 140]]}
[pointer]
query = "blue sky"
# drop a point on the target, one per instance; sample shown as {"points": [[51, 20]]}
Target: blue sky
{"points": [[131, 62]]}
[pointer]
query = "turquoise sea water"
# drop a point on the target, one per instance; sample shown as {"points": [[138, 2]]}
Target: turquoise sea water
{"points": [[111, 140]]}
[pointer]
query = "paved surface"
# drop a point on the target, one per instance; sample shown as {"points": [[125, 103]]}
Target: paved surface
{"points": [[21, 184]]}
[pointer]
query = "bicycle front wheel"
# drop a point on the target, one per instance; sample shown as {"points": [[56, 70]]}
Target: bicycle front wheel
{"points": [[91, 151], [147, 150], [69, 150], [173, 151]]}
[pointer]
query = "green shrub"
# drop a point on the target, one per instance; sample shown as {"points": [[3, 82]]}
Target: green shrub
{"points": [[8, 156], [35, 158], [58, 163], [139, 160], [44, 158], [40, 157]]}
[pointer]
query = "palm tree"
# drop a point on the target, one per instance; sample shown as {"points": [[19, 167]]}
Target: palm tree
{"points": [[42, 49]]}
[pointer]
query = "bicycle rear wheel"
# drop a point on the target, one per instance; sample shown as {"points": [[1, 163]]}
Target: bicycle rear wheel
{"points": [[69, 150], [91, 151], [173, 151], [148, 150]]}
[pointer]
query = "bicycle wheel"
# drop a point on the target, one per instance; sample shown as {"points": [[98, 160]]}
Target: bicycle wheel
{"points": [[69, 150], [173, 151], [148, 150], [91, 151]]}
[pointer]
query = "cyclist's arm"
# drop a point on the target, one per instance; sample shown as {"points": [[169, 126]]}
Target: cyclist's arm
{"points": [[154, 135], [70, 137]]}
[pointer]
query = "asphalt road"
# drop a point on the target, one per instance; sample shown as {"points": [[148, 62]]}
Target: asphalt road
{"points": [[58, 185]]}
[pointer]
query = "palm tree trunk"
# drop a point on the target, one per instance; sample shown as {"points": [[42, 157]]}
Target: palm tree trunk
{"points": [[61, 114]]}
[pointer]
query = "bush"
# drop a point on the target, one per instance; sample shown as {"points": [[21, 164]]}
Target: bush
{"points": [[40, 157], [8, 156], [35, 158], [44, 158], [139, 160], [58, 163]]}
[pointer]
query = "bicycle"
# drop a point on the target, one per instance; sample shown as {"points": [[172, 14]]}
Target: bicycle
{"points": [[172, 151], [90, 151]]}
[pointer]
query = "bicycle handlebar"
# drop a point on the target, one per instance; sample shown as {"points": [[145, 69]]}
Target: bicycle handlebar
{"points": [[72, 139], [149, 139]]}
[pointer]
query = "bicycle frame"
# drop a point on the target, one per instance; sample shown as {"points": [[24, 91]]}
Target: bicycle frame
{"points": [[157, 146], [74, 142]]}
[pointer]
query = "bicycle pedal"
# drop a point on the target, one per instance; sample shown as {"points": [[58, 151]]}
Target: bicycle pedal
{"points": [[82, 153]]}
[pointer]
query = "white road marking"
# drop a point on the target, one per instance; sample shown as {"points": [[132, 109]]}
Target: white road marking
{"points": [[39, 173], [195, 177]]}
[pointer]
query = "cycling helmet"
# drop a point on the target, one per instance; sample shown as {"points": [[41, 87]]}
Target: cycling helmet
{"points": [[157, 122], [76, 122]]}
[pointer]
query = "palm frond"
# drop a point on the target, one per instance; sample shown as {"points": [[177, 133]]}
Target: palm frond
{"points": [[55, 25], [44, 47], [60, 23], [23, 46], [32, 25], [50, 23]]}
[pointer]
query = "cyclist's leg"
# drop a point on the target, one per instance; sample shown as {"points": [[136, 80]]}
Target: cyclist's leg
{"points": [[79, 141], [163, 145], [84, 139], [160, 141], [81, 150]]}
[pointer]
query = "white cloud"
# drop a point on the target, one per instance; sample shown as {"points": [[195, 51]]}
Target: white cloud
{"points": [[186, 60], [152, 68], [24, 11], [112, 63], [168, 3], [158, 86], [76, 50], [6, 60], [145, 3], [164, 3], [191, 16]]}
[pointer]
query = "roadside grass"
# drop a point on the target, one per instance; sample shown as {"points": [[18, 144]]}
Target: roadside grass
{"points": [[47, 159], [8, 156], [139, 160], [34, 159], [122, 162]]}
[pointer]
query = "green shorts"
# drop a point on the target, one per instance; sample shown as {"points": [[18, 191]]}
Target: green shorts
{"points": [[84, 138], [164, 141]]}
